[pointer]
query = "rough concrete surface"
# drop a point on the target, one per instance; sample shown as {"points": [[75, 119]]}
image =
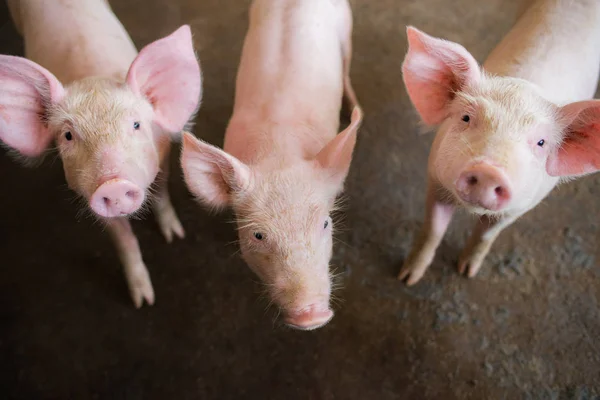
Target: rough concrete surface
{"points": [[526, 328]]}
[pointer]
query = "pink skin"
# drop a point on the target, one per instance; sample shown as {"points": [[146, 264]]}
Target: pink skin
{"points": [[507, 135], [112, 121], [283, 162]]}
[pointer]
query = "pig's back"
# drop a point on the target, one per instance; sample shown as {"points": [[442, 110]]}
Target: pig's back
{"points": [[74, 39], [291, 66], [556, 45]]}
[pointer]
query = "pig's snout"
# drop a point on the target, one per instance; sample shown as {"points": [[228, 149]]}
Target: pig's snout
{"points": [[309, 318], [484, 185], [116, 198]]}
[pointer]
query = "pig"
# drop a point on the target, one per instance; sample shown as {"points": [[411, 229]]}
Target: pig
{"points": [[509, 131], [284, 162], [110, 112]]}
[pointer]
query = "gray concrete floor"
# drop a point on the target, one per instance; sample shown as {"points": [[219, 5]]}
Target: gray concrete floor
{"points": [[526, 327]]}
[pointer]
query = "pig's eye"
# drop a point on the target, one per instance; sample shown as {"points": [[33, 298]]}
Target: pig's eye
{"points": [[136, 125], [541, 143], [258, 235], [466, 118], [68, 136]]}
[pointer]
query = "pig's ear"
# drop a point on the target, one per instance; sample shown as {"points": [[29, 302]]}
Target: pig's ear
{"points": [[210, 173], [579, 152], [26, 92], [167, 73], [433, 70], [336, 156]]}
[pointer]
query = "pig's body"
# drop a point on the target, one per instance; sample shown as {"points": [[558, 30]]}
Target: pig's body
{"points": [[110, 111], [548, 61], [280, 77], [556, 46], [74, 39], [284, 162]]}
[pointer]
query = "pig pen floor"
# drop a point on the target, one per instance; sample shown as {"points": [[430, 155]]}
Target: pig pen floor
{"points": [[526, 328]]}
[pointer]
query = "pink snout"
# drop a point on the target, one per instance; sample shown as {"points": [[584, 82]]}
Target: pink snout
{"points": [[309, 318], [116, 198], [484, 185]]}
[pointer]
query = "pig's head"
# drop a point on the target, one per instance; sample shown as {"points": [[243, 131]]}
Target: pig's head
{"points": [[283, 217], [110, 135], [498, 138]]}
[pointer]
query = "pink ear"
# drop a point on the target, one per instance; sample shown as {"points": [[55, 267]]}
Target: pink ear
{"points": [[210, 173], [337, 154], [167, 73], [26, 92], [579, 152], [433, 70]]}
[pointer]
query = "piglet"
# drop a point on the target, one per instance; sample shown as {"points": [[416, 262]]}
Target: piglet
{"points": [[110, 111], [508, 132], [283, 162]]}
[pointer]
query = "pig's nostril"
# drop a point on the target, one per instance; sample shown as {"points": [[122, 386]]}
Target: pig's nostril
{"points": [[131, 194], [499, 190], [106, 200], [472, 180]]}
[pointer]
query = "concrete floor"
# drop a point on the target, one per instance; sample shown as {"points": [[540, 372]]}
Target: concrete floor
{"points": [[526, 328]]}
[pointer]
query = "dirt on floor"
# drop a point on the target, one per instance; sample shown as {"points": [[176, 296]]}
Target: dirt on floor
{"points": [[527, 327]]}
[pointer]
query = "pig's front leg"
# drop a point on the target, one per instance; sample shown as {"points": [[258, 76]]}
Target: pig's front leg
{"points": [[485, 232], [138, 279], [163, 208], [437, 217]]}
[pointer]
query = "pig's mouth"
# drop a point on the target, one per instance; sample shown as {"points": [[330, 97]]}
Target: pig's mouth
{"points": [[309, 318], [478, 208]]}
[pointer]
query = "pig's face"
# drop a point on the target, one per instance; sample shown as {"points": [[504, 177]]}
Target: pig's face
{"points": [[493, 145], [111, 136], [285, 233], [105, 135], [284, 222], [500, 145]]}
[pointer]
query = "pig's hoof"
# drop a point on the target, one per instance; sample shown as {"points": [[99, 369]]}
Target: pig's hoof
{"points": [[469, 266], [411, 274], [140, 288], [170, 225]]}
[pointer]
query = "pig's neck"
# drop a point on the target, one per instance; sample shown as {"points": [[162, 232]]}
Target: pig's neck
{"points": [[556, 45], [74, 39], [276, 144], [289, 86]]}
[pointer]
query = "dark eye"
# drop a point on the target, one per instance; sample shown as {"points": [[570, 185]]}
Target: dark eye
{"points": [[326, 224], [541, 143], [466, 118], [258, 235], [136, 125], [68, 136]]}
